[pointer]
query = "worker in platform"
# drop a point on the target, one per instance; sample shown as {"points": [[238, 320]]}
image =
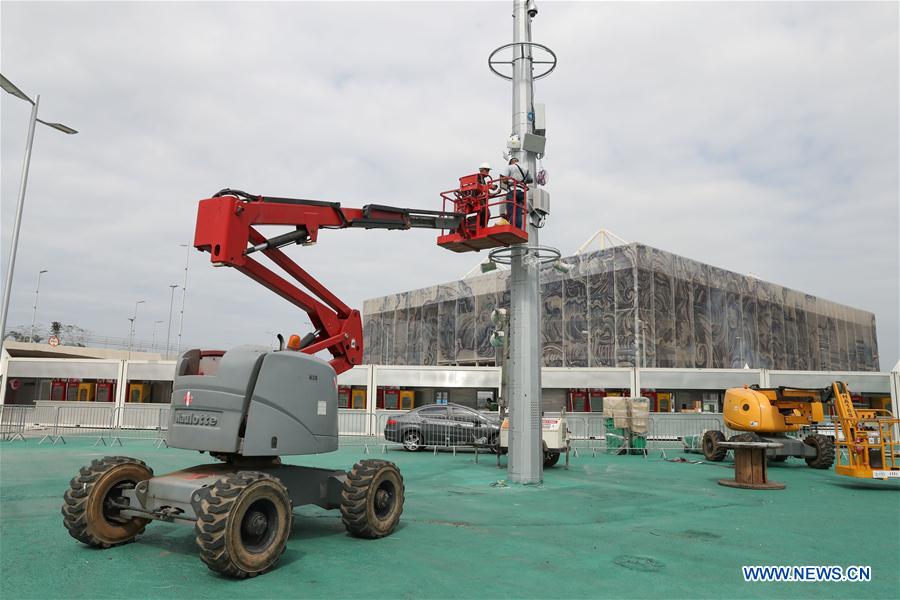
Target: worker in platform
{"points": [[484, 179], [515, 197], [484, 173]]}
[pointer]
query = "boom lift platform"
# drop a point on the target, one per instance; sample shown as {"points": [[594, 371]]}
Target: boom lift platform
{"points": [[494, 213], [251, 405], [866, 444]]}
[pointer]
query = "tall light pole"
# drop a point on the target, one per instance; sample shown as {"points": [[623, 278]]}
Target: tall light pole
{"points": [[8, 87], [187, 260], [34, 312], [130, 335], [525, 463], [169, 327], [155, 323], [133, 319]]}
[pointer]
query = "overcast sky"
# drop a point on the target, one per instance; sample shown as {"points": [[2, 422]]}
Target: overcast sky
{"points": [[757, 137]]}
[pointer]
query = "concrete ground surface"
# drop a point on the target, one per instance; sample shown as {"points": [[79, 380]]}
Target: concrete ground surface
{"points": [[609, 527]]}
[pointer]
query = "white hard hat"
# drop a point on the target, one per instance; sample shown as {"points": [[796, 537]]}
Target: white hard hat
{"points": [[485, 165]]}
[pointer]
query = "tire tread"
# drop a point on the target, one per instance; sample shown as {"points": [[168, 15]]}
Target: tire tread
{"points": [[75, 500], [216, 503]]}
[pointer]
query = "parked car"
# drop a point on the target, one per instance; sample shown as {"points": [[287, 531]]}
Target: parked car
{"points": [[443, 425]]}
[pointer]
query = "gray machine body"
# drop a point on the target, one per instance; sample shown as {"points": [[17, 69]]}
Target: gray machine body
{"points": [[176, 496], [257, 402], [790, 446]]}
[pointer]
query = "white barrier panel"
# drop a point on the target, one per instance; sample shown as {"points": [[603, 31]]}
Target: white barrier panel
{"points": [[12, 422], [352, 422], [427, 435]]}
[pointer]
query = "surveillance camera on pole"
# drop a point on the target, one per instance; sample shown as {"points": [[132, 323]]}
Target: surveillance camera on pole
{"points": [[561, 267], [498, 339]]}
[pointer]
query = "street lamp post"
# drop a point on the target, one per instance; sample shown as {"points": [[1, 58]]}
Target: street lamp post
{"points": [[133, 319], [10, 88], [169, 327], [153, 343], [130, 335], [34, 313], [187, 260]]}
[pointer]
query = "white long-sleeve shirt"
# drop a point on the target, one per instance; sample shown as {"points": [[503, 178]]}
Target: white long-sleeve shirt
{"points": [[516, 172]]}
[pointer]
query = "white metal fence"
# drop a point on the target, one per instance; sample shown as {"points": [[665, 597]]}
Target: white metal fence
{"points": [[106, 424], [591, 432]]}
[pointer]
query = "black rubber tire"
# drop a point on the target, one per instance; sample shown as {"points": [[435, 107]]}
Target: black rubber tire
{"points": [[84, 514], [780, 458], [372, 499], [406, 440], [824, 445], [550, 458], [711, 449], [228, 509]]}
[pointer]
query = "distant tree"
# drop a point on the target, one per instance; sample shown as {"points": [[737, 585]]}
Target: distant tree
{"points": [[16, 336], [22, 333], [76, 336], [69, 335]]}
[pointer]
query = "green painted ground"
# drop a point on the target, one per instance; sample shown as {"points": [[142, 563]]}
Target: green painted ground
{"points": [[608, 527]]}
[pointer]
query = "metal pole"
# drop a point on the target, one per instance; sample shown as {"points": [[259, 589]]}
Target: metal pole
{"points": [[525, 463], [169, 327], [19, 207], [133, 319], [187, 260], [130, 336], [37, 291], [153, 343]]}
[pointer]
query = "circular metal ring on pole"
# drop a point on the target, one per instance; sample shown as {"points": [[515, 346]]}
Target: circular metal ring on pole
{"points": [[533, 45], [544, 254]]}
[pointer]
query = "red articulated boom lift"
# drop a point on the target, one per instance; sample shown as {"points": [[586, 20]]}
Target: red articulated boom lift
{"points": [[251, 405], [227, 229], [226, 225]]}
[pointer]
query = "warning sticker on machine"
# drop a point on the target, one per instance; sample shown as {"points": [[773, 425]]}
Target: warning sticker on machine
{"points": [[323, 408], [885, 474]]}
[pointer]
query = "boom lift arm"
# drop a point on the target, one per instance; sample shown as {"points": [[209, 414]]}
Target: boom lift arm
{"points": [[227, 229]]}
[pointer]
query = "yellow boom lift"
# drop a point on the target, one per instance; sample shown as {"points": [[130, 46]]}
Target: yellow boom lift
{"points": [[865, 437]]}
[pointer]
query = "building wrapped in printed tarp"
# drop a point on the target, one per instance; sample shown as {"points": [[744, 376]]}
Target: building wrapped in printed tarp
{"points": [[629, 305]]}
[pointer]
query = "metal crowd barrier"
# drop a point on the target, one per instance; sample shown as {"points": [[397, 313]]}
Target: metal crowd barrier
{"points": [[82, 421], [104, 422], [592, 432], [110, 425], [354, 427], [141, 422], [433, 436], [12, 422]]}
